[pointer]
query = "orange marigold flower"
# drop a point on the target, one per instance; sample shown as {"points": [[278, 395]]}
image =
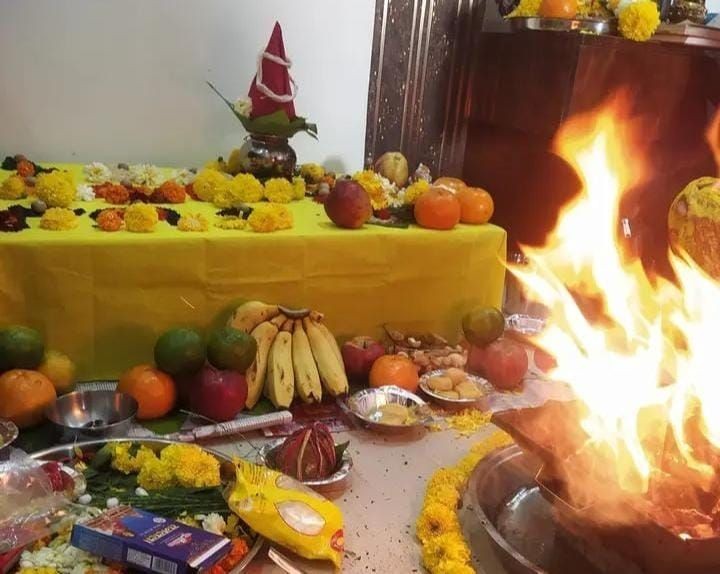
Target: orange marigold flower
{"points": [[116, 194], [110, 220], [172, 191], [25, 168]]}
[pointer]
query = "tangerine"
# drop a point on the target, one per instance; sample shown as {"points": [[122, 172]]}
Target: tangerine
{"points": [[394, 370], [24, 396], [437, 208], [153, 390], [558, 8], [450, 183], [476, 205]]}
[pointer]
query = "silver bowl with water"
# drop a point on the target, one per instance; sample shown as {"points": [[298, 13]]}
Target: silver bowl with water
{"points": [[365, 406]]}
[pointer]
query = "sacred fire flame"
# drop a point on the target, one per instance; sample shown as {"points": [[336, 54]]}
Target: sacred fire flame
{"points": [[640, 352]]}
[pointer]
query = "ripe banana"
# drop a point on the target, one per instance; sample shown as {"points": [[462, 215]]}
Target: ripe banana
{"points": [[307, 378], [264, 334], [280, 380], [331, 341], [249, 315], [330, 367]]}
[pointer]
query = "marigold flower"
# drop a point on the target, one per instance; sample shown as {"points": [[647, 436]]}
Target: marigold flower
{"points": [[444, 494], [193, 222], [445, 477], [526, 8], [299, 188], [415, 190], [193, 467], [125, 462], [248, 188], [110, 220], [208, 183], [434, 520], [279, 190], [373, 185], [469, 421], [58, 219], [270, 217], [172, 192], [231, 222], [639, 20], [453, 567], [25, 168], [56, 188], [13, 188], [140, 218], [115, 193], [447, 547], [156, 474], [312, 172]]}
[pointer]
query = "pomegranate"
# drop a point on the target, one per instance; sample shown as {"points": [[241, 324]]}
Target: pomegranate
{"points": [[308, 453]]}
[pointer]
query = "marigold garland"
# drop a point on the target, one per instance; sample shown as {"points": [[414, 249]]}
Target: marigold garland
{"points": [[373, 186], [270, 217], [140, 218], [639, 20], [56, 188], [279, 190], [58, 219], [444, 550], [208, 183], [193, 222], [13, 188]]}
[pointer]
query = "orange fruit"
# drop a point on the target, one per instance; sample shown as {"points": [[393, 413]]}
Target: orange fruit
{"points": [[437, 208], [153, 390], [558, 8], [394, 370], [24, 396], [451, 183], [476, 205]]}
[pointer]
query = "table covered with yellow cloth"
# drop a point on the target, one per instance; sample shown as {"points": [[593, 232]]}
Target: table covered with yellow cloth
{"points": [[103, 298]]}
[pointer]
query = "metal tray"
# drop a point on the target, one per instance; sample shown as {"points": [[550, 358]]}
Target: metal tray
{"points": [[597, 26], [67, 451], [509, 506]]}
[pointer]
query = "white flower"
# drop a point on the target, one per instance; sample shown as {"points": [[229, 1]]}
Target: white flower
{"points": [[214, 523], [85, 499], [140, 491], [96, 173], [243, 107], [145, 174], [84, 192], [183, 176], [112, 502]]}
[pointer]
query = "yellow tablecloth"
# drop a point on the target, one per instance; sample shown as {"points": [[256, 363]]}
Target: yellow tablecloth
{"points": [[103, 298]]}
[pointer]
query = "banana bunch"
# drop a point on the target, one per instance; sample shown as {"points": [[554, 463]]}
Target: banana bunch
{"points": [[296, 354]]}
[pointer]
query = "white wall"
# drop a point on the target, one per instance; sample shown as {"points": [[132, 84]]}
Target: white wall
{"points": [[124, 80]]}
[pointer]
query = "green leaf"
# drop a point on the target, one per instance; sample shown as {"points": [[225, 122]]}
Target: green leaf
{"points": [[166, 425], [263, 407]]}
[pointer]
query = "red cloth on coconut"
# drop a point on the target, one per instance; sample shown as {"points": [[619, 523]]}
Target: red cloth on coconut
{"points": [[275, 77]]}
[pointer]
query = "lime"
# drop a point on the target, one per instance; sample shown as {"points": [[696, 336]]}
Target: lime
{"points": [[20, 348], [483, 325], [180, 352], [58, 367], [231, 349]]}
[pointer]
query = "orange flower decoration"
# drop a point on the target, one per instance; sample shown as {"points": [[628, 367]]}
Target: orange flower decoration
{"points": [[117, 194], [110, 220], [25, 168], [172, 192]]}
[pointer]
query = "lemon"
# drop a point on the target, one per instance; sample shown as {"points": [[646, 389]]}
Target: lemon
{"points": [[60, 369]]}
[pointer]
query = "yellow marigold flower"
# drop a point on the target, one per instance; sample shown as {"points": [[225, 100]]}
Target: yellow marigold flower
{"points": [[193, 222], [156, 474], [372, 184], [448, 547], [13, 188], [208, 183], [270, 217], [216, 165], [469, 421], [298, 184], [468, 463], [434, 520], [125, 462], [279, 190], [639, 20], [231, 222], [453, 567], [445, 477], [140, 218], [444, 494], [312, 171], [58, 219], [526, 8], [248, 188], [494, 441], [415, 190], [193, 467], [55, 188]]}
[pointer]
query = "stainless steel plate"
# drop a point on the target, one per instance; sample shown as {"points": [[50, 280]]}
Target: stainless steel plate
{"points": [[518, 520], [335, 481], [583, 25], [67, 451], [482, 384], [364, 405]]}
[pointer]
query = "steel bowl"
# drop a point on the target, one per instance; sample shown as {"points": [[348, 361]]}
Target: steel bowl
{"points": [[336, 481], [455, 404], [364, 405], [64, 453], [88, 415]]}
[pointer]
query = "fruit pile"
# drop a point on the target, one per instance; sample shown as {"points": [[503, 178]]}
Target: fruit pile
{"points": [[31, 378], [296, 354]]}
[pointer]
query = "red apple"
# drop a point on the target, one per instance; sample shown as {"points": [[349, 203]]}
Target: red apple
{"points": [[348, 204], [359, 354], [218, 395], [503, 362]]}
